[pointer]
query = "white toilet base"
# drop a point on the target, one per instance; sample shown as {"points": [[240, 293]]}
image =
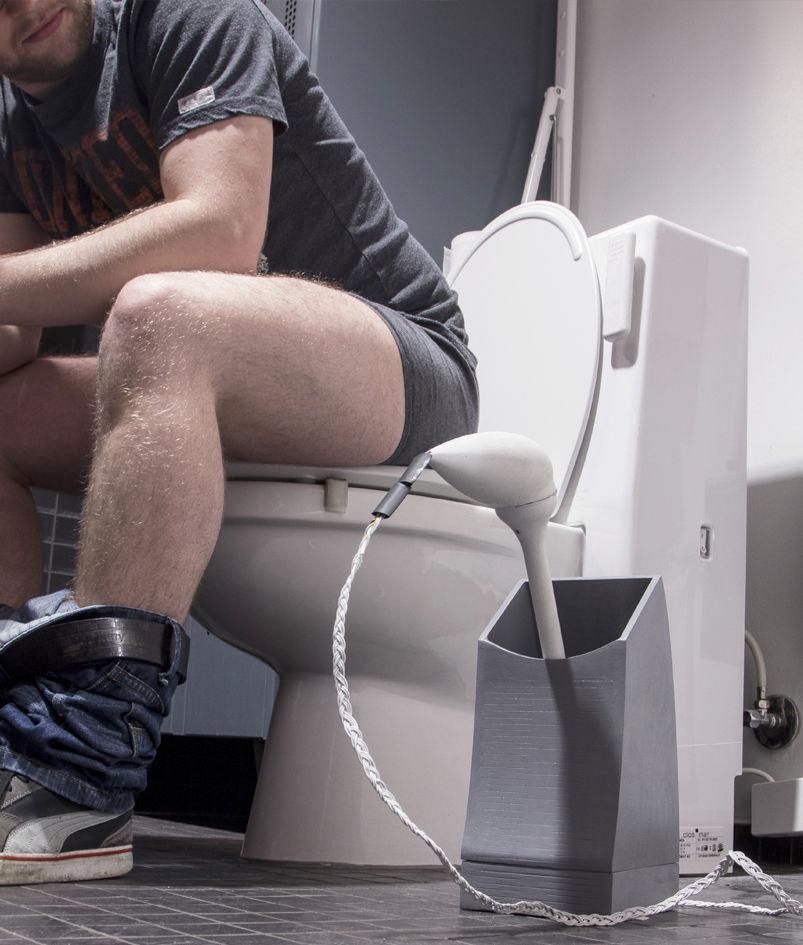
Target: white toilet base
{"points": [[313, 802]]}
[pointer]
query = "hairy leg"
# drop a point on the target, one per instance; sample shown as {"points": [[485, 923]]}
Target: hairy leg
{"points": [[46, 419], [195, 367]]}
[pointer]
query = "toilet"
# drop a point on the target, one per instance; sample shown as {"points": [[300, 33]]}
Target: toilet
{"points": [[608, 352]]}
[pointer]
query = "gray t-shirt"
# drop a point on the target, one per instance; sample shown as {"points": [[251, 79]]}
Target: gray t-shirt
{"points": [[157, 69]]}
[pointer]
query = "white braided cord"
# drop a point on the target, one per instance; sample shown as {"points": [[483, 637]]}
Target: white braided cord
{"points": [[523, 907]]}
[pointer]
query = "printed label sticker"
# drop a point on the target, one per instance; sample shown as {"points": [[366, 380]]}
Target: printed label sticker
{"points": [[701, 842], [190, 102]]}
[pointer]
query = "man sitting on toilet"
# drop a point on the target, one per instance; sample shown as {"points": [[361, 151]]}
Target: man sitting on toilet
{"points": [[171, 169]]}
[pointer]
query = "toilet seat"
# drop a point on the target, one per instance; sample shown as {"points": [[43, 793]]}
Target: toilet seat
{"points": [[380, 478], [530, 296]]}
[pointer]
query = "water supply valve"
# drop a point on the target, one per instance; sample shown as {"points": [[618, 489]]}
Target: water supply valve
{"points": [[775, 720]]}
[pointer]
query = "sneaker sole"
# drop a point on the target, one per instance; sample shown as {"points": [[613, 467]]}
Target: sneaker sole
{"points": [[20, 869]]}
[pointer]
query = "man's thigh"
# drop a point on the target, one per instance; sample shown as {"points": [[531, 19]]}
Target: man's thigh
{"points": [[46, 422], [302, 372]]}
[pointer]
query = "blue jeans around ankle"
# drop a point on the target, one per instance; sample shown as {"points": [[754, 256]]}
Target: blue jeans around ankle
{"points": [[88, 732]]}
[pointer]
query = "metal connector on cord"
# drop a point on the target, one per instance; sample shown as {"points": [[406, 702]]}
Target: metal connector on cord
{"points": [[399, 491]]}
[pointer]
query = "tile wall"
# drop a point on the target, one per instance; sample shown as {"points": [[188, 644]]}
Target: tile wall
{"points": [[59, 517]]}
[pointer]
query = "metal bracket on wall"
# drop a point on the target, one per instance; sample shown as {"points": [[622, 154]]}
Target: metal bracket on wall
{"points": [[775, 721], [565, 52]]}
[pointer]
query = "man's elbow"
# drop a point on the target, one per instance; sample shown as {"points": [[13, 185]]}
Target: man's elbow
{"points": [[239, 245]]}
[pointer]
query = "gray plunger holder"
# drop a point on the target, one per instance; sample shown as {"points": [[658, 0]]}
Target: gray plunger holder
{"points": [[574, 786]]}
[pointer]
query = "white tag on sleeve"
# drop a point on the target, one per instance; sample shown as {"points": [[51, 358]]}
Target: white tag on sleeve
{"points": [[190, 102]]}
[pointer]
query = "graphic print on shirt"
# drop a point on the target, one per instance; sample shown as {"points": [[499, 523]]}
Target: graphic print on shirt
{"points": [[111, 171]]}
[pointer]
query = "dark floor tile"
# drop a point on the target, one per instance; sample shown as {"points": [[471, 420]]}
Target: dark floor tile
{"points": [[211, 910], [231, 934], [562, 936], [250, 938], [67, 910], [259, 907], [183, 924], [138, 932], [30, 924], [233, 917], [322, 938], [357, 926], [265, 923], [95, 941], [79, 935], [163, 935]]}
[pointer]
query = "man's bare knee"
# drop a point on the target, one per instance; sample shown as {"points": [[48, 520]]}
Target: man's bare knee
{"points": [[140, 332], [134, 314], [153, 340]]}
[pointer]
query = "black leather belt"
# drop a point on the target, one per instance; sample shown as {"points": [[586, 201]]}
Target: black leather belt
{"points": [[55, 646]]}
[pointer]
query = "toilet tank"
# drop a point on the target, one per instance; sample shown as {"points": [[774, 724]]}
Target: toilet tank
{"points": [[663, 491]]}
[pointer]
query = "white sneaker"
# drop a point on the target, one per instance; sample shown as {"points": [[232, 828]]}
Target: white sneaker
{"points": [[45, 838]]}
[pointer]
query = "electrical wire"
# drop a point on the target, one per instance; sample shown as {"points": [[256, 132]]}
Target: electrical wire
{"points": [[759, 773]]}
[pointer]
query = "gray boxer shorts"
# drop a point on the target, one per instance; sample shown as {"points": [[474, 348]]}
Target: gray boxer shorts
{"points": [[441, 398]]}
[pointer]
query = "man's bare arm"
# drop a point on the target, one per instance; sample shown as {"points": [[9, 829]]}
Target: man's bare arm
{"points": [[18, 344], [216, 182]]}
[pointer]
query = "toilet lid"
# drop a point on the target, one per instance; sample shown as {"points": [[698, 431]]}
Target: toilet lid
{"points": [[530, 296]]}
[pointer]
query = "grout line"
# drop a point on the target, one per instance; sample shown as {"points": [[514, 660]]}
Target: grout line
{"points": [[51, 542]]}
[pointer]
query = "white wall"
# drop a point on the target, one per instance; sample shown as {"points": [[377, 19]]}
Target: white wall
{"points": [[693, 110]]}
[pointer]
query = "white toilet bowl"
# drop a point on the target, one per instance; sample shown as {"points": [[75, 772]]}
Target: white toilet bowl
{"points": [[434, 575]]}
